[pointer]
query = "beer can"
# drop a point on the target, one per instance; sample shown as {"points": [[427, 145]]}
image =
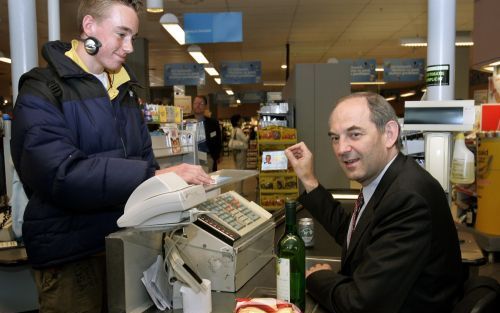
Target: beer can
{"points": [[306, 231]]}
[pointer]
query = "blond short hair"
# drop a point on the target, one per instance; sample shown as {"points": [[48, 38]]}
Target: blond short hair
{"points": [[98, 9]]}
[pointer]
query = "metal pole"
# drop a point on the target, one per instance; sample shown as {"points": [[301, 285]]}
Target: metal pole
{"points": [[24, 55], [54, 20], [441, 50], [287, 72], [440, 80], [23, 39]]}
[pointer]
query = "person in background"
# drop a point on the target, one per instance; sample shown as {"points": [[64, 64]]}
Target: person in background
{"points": [[239, 156], [210, 136], [400, 250], [81, 146]]}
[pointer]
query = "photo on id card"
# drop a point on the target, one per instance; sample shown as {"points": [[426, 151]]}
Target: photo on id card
{"points": [[274, 161]]}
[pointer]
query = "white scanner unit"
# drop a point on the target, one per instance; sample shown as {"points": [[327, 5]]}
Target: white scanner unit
{"points": [[162, 200]]}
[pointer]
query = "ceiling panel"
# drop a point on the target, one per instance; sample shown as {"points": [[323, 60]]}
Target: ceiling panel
{"points": [[315, 29]]}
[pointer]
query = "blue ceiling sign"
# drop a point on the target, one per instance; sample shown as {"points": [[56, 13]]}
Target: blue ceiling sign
{"points": [[188, 74], [213, 27], [404, 70], [233, 73], [363, 70]]}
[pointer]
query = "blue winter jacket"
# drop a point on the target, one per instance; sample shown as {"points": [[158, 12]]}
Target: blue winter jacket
{"points": [[79, 155]]}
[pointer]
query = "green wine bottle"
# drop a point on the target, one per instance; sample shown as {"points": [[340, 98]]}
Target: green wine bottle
{"points": [[291, 261]]}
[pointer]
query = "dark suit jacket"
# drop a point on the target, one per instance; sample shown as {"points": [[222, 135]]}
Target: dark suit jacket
{"points": [[214, 138], [404, 254]]}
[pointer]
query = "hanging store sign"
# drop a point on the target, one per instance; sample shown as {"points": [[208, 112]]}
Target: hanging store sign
{"points": [[213, 27], [233, 73], [403, 70], [438, 75], [363, 70], [188, 74], [252, 97]]}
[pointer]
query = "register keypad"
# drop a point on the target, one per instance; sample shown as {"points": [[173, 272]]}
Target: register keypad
{"points": [[231, 211]]}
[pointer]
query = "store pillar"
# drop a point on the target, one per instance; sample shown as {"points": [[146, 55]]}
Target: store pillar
{"points": [[138, 61]]}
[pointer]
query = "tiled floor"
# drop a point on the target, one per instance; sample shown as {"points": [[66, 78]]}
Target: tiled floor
{"points": [[250, 192]]}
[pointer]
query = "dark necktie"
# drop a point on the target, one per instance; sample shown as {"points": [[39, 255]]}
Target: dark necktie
{"points": [[357, 207]]}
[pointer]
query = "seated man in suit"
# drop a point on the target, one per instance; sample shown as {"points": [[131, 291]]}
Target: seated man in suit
{"points": [[400, 250]]}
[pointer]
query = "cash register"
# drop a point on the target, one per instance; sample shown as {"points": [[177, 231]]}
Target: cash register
{"points": [[226, 238]]}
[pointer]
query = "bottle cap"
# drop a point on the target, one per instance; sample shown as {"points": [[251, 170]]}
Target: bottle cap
{"points": [[6, 117]]}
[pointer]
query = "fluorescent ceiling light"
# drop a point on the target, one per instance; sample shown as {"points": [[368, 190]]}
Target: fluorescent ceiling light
{"points": [[494, 63], [489, 68], [229, 92], [391, 98], [210, 69], [154, 6], [413, 42], [408, 94], [195, 52], [369, 83], [379, 69], [5, 59], [464, 44], [462, 39], [171, 25], [217, 80], [274, 83]]}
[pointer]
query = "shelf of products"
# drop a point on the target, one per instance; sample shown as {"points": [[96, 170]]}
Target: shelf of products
{"points": [[277, 113], [252, 155], [173, 139], [277, 185], [227, 129]]}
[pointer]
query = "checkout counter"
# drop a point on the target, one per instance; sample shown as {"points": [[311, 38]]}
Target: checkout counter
{"points": [[239, 263], [131, 251]]}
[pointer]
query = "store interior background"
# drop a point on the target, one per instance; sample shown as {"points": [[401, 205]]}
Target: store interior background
{"points": [[316, 32]]}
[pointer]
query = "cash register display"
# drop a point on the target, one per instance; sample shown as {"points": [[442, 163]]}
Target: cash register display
{"points": [[233, 217]]}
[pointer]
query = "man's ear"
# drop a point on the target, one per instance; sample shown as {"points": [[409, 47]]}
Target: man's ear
{"points": [[391, 133], [88, 25]]}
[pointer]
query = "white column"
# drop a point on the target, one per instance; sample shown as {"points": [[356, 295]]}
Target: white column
{"points": [[24, 55], [54, 20], [23, 39], [441, 48]]}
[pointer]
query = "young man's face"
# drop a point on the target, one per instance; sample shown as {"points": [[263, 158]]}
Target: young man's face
{"points": [[268, 159], [116, 32], [362, 151]]}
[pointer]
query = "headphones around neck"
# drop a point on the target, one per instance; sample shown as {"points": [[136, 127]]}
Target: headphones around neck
{"points": [[92, 45]]}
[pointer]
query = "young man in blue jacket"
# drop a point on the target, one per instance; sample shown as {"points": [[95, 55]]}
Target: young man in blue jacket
{"points": [[80, 146]]}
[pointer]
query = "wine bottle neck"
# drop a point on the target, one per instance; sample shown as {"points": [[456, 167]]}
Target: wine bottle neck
{"points": [[290, 219]]}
